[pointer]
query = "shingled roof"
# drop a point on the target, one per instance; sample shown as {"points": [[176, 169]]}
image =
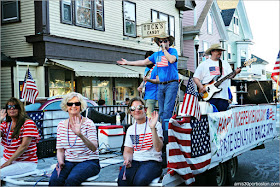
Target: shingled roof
{"points": [[259, 60], [227, 15]]}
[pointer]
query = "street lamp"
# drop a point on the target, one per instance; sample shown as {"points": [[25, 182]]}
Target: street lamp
{"points": [[196, 44]]}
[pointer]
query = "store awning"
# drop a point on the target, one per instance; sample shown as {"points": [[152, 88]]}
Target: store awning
{"points": [[91, 69], [139, 69]]}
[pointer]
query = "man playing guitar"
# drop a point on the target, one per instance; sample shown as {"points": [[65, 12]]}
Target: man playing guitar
{"points": [[208, 69]]}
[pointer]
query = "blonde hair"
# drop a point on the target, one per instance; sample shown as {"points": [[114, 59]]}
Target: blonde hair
{"points": [[70, 96]]}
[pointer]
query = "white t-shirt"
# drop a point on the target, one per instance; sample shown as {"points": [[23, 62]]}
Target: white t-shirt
{"points": [[143, 148], [208, 69]]}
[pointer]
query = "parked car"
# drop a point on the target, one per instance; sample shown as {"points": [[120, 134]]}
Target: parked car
{"points": [[46, 113], [52, 103]]}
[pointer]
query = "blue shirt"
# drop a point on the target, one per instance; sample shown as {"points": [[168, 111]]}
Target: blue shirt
{"points": [[150, 88], [166, 71]]}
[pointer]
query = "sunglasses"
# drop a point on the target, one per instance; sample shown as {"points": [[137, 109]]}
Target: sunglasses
{"points": [[139, 107], [165, 41], [76, 104], [12, 106]]}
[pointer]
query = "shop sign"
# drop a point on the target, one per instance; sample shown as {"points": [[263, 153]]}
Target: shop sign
{"points": [[154, 29]]}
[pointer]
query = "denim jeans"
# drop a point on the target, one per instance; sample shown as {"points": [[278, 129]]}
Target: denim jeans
{"points": [[151, 104], [74, 173], [140, 173], [167, 94]]}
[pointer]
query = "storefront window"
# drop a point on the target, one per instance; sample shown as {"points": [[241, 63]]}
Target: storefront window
{"points": [[97, 88], [101, 89], [60, 82], [86, 87], [125, 89]]}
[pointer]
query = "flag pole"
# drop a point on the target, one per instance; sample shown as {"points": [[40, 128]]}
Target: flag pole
{"points": [[277, 86], [26, 76]]}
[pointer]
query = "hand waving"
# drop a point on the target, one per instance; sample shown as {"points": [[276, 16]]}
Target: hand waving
{"points": [[3, 114], [153, 120], [75, 125], [122, 62]]}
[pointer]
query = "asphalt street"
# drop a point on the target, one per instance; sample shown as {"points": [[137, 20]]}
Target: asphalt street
{"points": [[260, 167]]}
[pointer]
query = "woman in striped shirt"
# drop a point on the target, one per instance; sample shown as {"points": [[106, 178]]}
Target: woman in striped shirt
{"points": [[19, 137], [77, 147], [142, 147]]}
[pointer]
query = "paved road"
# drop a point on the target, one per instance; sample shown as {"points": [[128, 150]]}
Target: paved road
{"points": [[261, 166]]}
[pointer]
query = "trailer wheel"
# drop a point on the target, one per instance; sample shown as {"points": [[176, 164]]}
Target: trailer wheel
{"points": [[221, 175], [233, 166], [232, 170]]}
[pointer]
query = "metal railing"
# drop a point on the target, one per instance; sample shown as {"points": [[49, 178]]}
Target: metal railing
{"points": [[47, 120]]}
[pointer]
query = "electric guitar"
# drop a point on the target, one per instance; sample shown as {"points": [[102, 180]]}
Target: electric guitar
{"points": [[212, 86]]}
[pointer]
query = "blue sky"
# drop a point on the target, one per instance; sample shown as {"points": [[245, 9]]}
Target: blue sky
{"points": [[264, 21]]}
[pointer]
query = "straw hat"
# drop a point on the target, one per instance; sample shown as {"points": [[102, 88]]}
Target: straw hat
{"points": [[214, 47], [164, 35]]}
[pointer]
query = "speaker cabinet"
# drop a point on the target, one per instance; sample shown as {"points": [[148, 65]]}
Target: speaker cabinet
{"points": [[253, 92]]}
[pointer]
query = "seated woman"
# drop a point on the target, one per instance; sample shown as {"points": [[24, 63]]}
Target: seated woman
{"points": [[76, 145], [19, 137], [142, 151]]}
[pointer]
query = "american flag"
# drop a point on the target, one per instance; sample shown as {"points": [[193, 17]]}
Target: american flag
{"points": [[214, 70], [38, 118], [143, 142], [189, 147], [276, 70], [163, 62], [29, 91], [190, 104]]}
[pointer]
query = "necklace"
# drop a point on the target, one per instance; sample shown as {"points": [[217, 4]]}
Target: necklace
{"points": [[68, 134], [139, 138], [9, 140]]}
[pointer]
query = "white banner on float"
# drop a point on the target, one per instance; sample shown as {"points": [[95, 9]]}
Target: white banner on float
{"points": [[240, 129]]}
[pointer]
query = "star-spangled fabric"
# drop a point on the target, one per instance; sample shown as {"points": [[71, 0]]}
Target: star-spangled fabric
{"points": [[276, 70], [190, 105], [38, 117], [29, 91], [189, 147], [200, 137], [143, 142]]}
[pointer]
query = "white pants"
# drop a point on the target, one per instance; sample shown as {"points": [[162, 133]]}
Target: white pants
{"points": [[17, 168]]}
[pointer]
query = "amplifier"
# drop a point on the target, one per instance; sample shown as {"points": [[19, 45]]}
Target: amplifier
{"points": [[253, 92]]}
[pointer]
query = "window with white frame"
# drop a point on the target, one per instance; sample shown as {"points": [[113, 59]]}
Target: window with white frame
{"points": [[10, 11], [242, 56], [205, 45], [88, 13], [129, 18], [209, 23], [83, 13], [170, 21], [229, 52], [66, 11], [99, 14], [235, 25]]}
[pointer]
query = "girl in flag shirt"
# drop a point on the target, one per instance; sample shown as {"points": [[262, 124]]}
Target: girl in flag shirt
{"points": [[77, 154], [143, 145], [19, 137]]}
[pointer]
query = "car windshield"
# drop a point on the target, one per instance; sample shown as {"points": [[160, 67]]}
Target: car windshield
{"points": [[33, 107], [53, 106]]}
